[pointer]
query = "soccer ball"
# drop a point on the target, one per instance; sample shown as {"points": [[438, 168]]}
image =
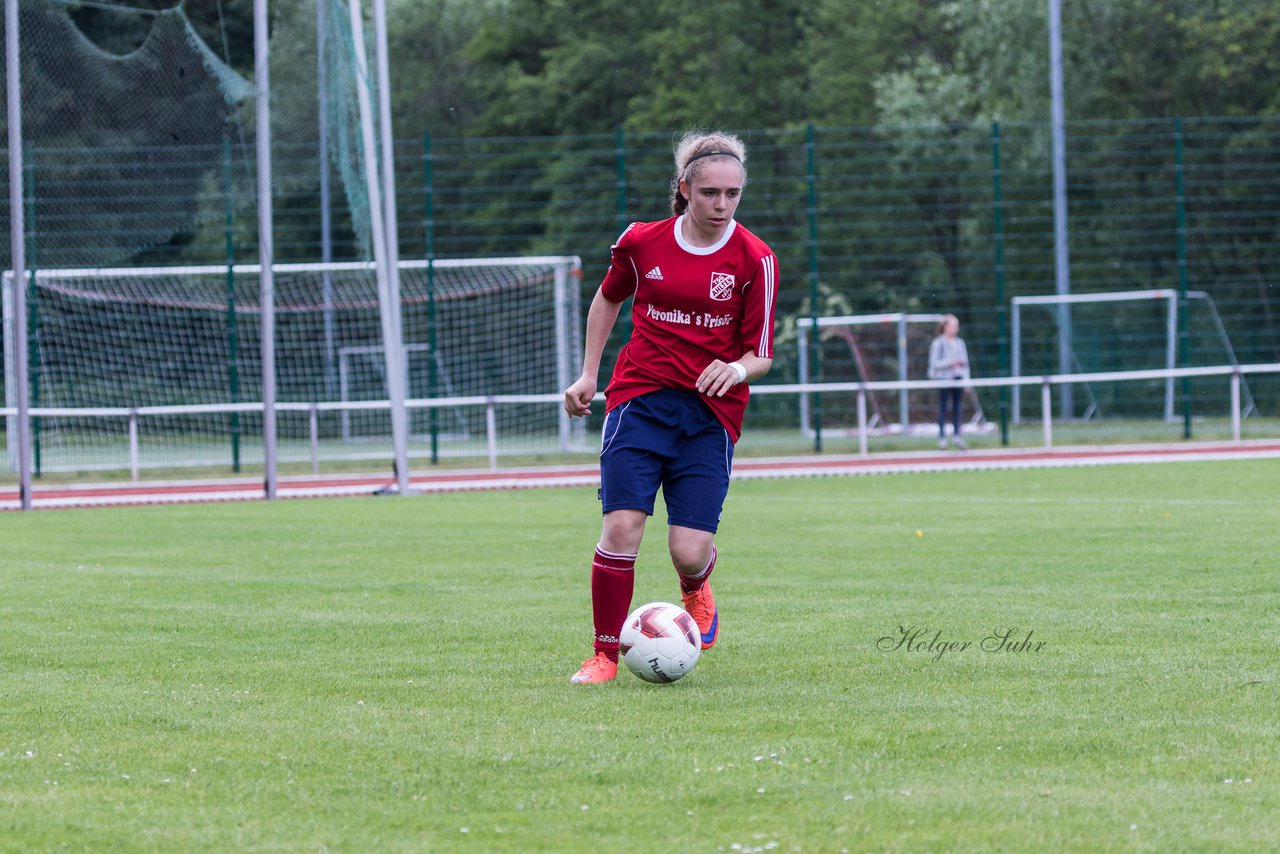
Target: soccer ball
{"points": [[659, 642]]}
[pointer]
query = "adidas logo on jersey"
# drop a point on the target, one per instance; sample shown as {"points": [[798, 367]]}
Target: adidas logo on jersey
{"points": [[655, 274]]}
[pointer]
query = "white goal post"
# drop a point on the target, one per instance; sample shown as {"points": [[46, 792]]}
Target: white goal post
{"points": [[1169, 295]]}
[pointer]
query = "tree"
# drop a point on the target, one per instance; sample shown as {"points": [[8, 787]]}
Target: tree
{"points": [[724, 64], [435, 84], [848, 46], [558, 67]]}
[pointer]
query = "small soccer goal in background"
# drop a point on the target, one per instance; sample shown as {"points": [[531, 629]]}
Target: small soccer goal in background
{"points": [[1116, 331], [889, 347]]}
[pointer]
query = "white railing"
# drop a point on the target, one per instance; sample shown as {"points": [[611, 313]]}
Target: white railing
{"points": [[490, 403], [1046, 383]]}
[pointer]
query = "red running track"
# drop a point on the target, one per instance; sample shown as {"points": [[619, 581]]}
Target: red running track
{"points": [[745, 468]]}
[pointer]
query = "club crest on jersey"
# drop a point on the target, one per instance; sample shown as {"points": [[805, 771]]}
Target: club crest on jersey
{"points": [[721, 286]]}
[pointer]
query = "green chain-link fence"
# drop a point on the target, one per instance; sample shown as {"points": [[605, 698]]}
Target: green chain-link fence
{"points": [[905, 219]]}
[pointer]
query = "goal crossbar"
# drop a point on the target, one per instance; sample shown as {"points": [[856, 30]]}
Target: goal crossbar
{"points": [[304, 267], [868, 319], [1110, 296]]}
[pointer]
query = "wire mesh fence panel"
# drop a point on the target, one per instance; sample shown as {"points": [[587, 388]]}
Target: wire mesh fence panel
{"points": [[140, 155]]}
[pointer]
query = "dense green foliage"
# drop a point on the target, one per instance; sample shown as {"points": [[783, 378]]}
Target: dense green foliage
{"points": [[383, 674], [552, 67], [556, 67]]}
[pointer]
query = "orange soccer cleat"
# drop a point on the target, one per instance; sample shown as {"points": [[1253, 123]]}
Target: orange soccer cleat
{"points": [[701, 605], [597, 668]]}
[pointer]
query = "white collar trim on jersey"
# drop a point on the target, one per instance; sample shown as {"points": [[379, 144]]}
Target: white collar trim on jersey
{"points": [[704, 250]]}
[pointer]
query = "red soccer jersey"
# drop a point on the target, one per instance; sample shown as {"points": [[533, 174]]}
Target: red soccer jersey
{"points": [[693, 304]]}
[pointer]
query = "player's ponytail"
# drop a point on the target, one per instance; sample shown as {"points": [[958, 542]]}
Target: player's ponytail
{"points": [[696, 148]]}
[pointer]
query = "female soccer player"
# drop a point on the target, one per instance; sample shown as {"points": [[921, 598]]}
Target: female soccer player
{"points": [[702, 328], [949, 360]]}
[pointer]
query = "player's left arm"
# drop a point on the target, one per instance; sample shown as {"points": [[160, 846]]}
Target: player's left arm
{"points": [[757, 333]]}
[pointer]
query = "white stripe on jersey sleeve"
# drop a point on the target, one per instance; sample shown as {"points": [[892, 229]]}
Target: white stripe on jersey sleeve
{"points": [[623, 234], [635, 274], [768, 265]]}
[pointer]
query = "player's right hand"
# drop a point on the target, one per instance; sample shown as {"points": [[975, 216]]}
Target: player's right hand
{"points": [[577, 397]]}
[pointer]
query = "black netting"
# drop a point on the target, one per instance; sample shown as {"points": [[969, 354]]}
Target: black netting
{"points": [[117, 148]]}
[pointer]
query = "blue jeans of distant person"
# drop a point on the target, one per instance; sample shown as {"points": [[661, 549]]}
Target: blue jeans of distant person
{"points": [[949, 397]]}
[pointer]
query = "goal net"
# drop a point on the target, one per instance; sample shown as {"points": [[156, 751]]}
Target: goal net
{"points": [[118, 144], [111, 340], [872, 348], [1116, 331]]}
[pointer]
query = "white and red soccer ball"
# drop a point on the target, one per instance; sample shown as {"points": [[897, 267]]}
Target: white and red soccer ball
{"points": [[659, 642]]}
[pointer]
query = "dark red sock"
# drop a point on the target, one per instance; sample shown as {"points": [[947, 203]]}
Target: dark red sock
{"points": [[691, 583], [612, 581]]}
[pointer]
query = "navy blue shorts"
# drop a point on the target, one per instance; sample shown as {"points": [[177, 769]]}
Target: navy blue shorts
{"points": [[666, 438]]}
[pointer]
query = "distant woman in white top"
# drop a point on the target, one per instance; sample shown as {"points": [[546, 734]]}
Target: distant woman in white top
{"points": [[949, 360]]}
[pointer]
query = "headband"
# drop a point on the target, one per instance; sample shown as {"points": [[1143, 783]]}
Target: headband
{"points": [[712, 153]]}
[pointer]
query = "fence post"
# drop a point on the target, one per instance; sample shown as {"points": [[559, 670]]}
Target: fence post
{"points": [[862, 421], [1016, 363], [620, 166], [802, 345], [564, 370], [33, 311], [1170, 353], [266, 250], [233, 335], [620, 184], [20, 425], [326, 217], [1235, 404], [815, 367], [1184, 332], [1046, 412], [313, 429], [1002, 319], [491, 432], [344, 386], [429, 226], [904, 408], [134, 463]]}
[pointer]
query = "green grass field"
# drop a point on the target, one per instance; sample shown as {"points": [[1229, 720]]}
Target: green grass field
{"points": [[391, 674]]}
